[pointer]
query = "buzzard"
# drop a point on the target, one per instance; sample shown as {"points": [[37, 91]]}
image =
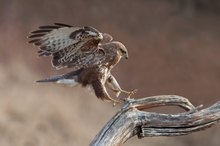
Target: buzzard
{"points": [[89, 53]]}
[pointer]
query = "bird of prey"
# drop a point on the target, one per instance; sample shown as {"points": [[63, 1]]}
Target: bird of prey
{"points": [[89, 53]]}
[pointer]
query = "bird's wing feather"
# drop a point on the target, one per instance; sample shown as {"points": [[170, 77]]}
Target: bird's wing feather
{"points": [[69, 46], [53, 38], [86, 60]]}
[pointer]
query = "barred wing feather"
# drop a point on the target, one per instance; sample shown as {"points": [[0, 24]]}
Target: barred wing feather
{"points": [[66, 43], [51, 39]]}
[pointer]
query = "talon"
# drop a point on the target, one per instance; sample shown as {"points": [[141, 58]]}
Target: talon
{"points": [[129, 93], [132, 92]]}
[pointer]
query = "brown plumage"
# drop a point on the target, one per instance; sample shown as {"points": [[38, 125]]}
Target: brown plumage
{"points": [[88, 52]]}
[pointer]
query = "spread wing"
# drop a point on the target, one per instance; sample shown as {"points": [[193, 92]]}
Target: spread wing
{"points": [[51, 39], [66, 43]]}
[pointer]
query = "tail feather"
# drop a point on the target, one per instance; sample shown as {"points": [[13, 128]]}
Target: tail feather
{"points": [[68, 76], [51, 79]]}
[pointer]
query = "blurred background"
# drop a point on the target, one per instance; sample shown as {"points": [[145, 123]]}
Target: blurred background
{"points": [[173, 47]]}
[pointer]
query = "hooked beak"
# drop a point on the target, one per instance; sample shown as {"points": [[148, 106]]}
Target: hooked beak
{"points": [[126, 56]]}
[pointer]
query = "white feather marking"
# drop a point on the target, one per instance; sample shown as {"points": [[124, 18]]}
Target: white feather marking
{"points": [[92, 33], [69, 82], [90, 89], [101, 36]]}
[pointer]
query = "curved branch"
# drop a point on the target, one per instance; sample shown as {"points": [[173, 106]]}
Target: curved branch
{"points": [[131, 121], [164, 100]]}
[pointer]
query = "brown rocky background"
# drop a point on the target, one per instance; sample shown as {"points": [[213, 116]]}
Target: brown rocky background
{"points": [[173, 47]]}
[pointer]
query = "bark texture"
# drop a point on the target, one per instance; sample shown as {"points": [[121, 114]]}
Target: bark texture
{"points": [[132, 120]]}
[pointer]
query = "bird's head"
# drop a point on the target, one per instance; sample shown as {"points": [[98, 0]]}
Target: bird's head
{"points": [[92, 33], [121, 49]]}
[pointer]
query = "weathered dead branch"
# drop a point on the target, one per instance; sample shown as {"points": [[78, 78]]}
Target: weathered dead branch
{"points": [[131, 120]]}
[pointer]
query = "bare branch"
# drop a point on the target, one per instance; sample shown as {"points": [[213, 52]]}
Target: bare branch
{"points": [[164, 100], [131, 121]]}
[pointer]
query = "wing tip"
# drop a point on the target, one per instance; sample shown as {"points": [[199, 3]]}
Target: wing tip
{"points": [[34, 41], [36, 35], [62, 24]]}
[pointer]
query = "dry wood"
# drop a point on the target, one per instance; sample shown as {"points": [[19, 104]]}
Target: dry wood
{"points": [[131, 120]]}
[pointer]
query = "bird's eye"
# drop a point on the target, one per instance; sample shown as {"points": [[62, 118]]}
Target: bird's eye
{"points": [[123, 51]]}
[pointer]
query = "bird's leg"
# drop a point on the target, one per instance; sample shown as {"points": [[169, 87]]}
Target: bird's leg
{"points": [[100, 92], [113, 85]]}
